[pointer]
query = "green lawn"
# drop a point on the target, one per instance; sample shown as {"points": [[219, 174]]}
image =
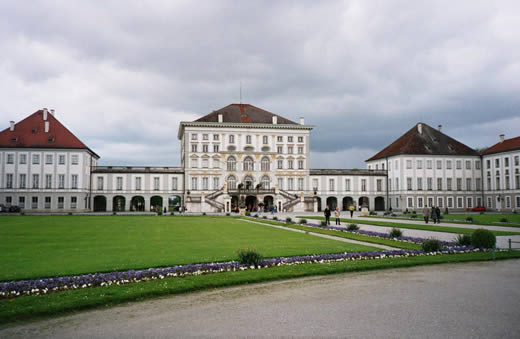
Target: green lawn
{"points": [[436, 228], [43, 246], [513, 220]]}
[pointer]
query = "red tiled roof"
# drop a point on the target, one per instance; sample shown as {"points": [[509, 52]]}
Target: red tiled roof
{"points": [[507, 145], [30, 133], [244, 113], [431, 142]]}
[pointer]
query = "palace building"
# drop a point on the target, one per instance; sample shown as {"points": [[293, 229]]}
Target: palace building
{"points": [[244, 156]]}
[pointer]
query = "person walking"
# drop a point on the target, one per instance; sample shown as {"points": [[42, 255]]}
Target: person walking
{"points": [[327, 215], [351, 208], [434, 215], [438, 212], [337, 215], [426, 214]]}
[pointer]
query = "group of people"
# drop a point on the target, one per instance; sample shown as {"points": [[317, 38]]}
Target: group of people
{"points": [[327, 212], [435, 214]]}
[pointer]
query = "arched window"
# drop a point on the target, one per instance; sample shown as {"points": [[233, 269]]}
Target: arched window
{"points": [[231, 164], [249, 182], [248, 164], [266, 164], [266, 182], [232, 182]]}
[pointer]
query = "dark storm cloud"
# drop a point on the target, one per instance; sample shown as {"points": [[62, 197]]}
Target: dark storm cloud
{"points": [[122, 75]]}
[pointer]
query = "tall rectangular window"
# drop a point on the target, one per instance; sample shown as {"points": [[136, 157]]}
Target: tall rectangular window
{"points": [[205, 148], [194, 136], [331, 184], [459, 164], [22, 183], [477, 164], [347, 185], [290, 184], [156, 183], [408, 164], [36, 181], [300, 164], [459, 184], [429, 183], [468, 164], [300, 150], [215, 148], [36, 159], [119, 183], [21, 202], [409, 184], [300, 184], [73, 202], [290, 150], [61, 159], [138, 183], [265, 140], [10, 158], [280, 164], [99, 183], [363, 185], [194, 148], [47, 202], [231, 139], [205, 183], [48, 159], [419, 184], [61, 202], [9, 180], [468, 184], [419, 164], [449, 183], [478, 184], [61, 181], [315, 184], [34, 203], [48, 181], [74, 159], [248, 139], [448, 164], [216, 184], [194, 183], [439, 164], [290, 164], [23, 159], [429, 164], [379, 185], [279, 149], [175, 183], [280, 183]]}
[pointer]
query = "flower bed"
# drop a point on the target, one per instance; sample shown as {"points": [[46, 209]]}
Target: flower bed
{"points": [[12, 289]]}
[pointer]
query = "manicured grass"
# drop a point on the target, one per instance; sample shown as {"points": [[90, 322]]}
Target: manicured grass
{"points": [[446, 229], [44, 246], [479, 219], [347, 235], [36, 307]]}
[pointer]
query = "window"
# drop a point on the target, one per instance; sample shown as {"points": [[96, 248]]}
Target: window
{"points": [[175, 183], [448, 164], [36, 181], [390, 185], [138, 183], [216, 183], [439, 184], [279, 138], [23, 159], [290, 184], [36, 159], [248, 164], [409, 184], [205, 137], [397, 187], [439, 164], [429, 183], [498, 183], [10, 158], [74, 160], [508, 202], [300, 164], [74, 181], [48, 181], [215, 137], [488, 183], [280, 164], [331, 184], [231, 164], [396, 165], [9, 181], [420, 202], [34, 203], [119, 183], [419, 184], [99, 182], [440, 202], [48, 159], [205, 148], [300, 184], [460, 202], [429, 164], [290, 164], [488, 164], [21, 202], [459, 164], [216, 163], [279, 149], [61, 181], [290, 150], [61, 201], [215, 148], [468, 164], [61, 159], [265, 164], [73, 202], [280, 183], [194, 162], [430, 202], [363, 185], [408, 164], [265, 140], [497, 163], [194, 183], [205, 163], [194, 148], [289, 139], [459, 184], [194, 136], [231, 139], [47, 202], [419, 164], [450, 202], [300, 139], [477, 164], [300, 150], [478, 183], [506, 162], [205, 183], [379, 185], [468, 184], [232, 182], [315, 184], [22, 182], [410, 202], [156, 183], [248, 139], [347, 185], [517, 160]]}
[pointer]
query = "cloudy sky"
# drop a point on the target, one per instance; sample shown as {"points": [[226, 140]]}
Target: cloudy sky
{"points": [[122, 74]]}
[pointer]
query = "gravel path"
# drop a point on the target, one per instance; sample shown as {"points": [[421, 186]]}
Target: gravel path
{"points": [[475, 300]]}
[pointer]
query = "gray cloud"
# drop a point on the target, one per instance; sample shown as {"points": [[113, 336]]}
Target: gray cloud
{"points": [[122, 75]]}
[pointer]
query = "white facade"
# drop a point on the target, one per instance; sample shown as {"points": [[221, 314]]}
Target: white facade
{"points": [[502, 180]]}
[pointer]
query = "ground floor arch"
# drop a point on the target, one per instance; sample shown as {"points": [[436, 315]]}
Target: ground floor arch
{"points": [[174, 203], [363, 202], [347, 202], [137, 203], [234, 203], [118, 203], [379, 204], [251, 202], [332, 202], [100, 203], [318, 199], [156, 202]]}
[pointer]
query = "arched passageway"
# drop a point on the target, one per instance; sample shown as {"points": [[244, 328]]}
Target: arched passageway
{"points": [[363, 202], [156, 203], [332, 202], [118, 203], [100, 203], [379, 204], [174, 203], [137, 203], [347, 201]]}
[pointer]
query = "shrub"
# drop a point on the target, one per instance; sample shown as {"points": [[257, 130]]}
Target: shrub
{"points": [[249, 256], [463, 239], [323, 223], [414, 216], [228, 214], [159, 212], [482, 238], [373, 213], [431, 245], [470, 219], [288, 220], [248, 214], [503, 220], [203, 213], [256, 215], [481, 213], [275, 218], [265, 217], [172, 213], [394, 215], [414, 212], [352, 227], [395, 233], [303, 221]]}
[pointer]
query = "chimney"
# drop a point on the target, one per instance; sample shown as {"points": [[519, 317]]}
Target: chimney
{"points": [[302, 121], [419, 128], [502, 137], [11, 125], [52, 112], [275, 120], [439, 127], [220, 118], [45, 114]]}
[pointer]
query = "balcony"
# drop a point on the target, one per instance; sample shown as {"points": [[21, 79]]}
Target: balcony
{"points": [[252, 191]]}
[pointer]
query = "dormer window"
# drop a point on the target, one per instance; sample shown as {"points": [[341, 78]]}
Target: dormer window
{"points": [[14, 139], [51, 139]]}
